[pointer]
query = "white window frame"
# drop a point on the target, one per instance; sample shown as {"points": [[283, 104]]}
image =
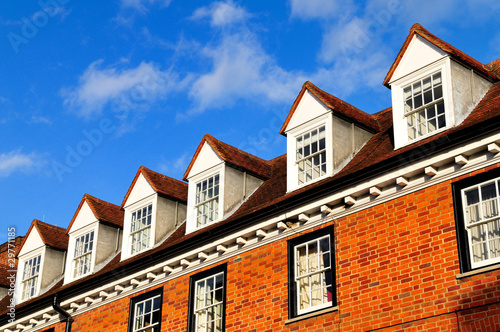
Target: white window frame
{"points": [[483, 222], [309, 275], [154, 325], [216, 185], [398, 100], [325, 120], [201, 304], [148, 210], [127, 225], [191, 225], [20, 274], [137, 321], [70, 260], [87, 255]]}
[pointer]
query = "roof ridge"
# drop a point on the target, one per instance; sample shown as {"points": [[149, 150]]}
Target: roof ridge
{"points": [[148, 170], [336, 105], [417, 28], [239, 150], [253, 164]]}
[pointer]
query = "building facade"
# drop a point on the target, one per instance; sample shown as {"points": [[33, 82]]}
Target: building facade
{"points": [[369, 222]]}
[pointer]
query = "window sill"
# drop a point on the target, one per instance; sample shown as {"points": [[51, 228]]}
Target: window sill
{"points": [[312, 314], [478, 271]]}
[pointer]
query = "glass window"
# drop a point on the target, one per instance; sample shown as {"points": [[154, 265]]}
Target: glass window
{"points": [[207, 201], [482, 222], [424, 106], [311, 273], [311, 155], [145, 312], [207, 303], [30, 277], [140, 229], [83, 254]]}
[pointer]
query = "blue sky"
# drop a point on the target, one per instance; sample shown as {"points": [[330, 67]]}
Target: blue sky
{"points": [[90, 91]]}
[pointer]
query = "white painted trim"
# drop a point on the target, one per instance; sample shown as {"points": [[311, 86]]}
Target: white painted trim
{"points": [[493, 148], [375, 191], [461, 160], [430, 171]]}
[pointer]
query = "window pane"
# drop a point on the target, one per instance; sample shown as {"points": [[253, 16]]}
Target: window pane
{"points": [[494, 238], [209, 293], [416, 97]]}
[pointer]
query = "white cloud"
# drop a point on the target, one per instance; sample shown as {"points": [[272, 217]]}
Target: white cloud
{"points": [[16, 161], [344, 40], [176, 166], [322, 9], [40, 119], [242, 70], [141, 5], [221, 13], [125, 89]]}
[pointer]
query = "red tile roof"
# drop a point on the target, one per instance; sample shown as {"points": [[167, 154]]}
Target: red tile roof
{"points": [[454, 52], [52, 236], [4, 282], [162, 184], [338, 106], [234, 157], [105, 212]]}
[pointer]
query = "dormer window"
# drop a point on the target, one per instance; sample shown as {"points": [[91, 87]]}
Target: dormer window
{"points": [[311, 155], [207, 201], [323, 134], [83, 255], [221, 177], [154, 206], [424, 108], [30, 277], [140, 231]]}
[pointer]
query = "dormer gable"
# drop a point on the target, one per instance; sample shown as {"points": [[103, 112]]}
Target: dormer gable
{"points": [[154, 206], [220, 178], [434, 86], [41, 259], [94, 237], [323, 135]]}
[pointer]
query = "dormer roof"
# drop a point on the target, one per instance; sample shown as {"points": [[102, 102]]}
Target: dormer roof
{"points": [[417, 29], [103, 211], [52, 236], [162, 184], [337, 106], [234, 157]]}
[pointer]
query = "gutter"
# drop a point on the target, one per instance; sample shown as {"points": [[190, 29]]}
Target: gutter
{"points": [[57, 307]]}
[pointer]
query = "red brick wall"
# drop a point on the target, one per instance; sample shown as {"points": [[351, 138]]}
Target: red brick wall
{"points": [[397, 264]]}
